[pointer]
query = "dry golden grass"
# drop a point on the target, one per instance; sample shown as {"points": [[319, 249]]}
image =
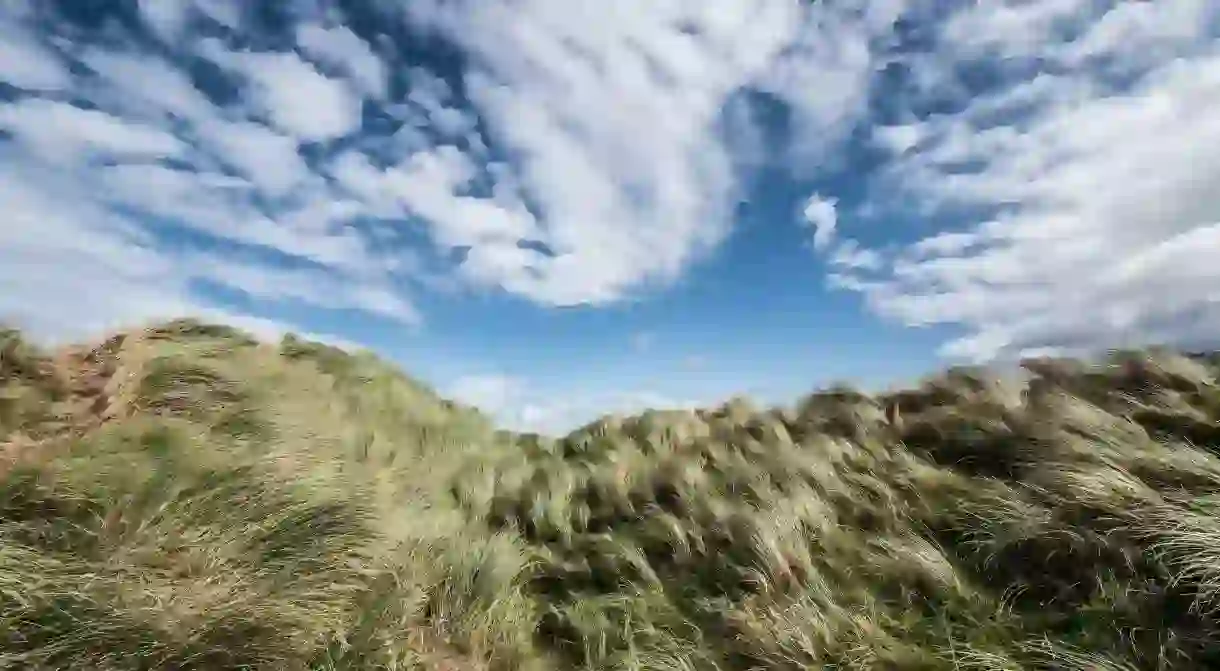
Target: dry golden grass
{"points": [[184, 497]]}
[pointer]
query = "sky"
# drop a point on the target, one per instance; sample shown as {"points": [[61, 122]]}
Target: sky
{"points": [[555, 209]]}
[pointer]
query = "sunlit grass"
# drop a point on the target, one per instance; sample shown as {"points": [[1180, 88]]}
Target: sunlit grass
{"points": [[186, 497]]}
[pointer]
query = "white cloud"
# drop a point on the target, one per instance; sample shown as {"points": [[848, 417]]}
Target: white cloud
{"points": [[1104, 195], [225, 12], [266, 158], [78, 269], [132, 77], [432, 98], [825, 74], [425, 183], [849, 255], [27, 64], [339, 47], [296, 97], [222, 207], [71, 267], [63, 133], [166, 18], [1016, 28], [614, 113], [169, 19], [118, 205], [898, 139], [308, 286], [821, 214]]}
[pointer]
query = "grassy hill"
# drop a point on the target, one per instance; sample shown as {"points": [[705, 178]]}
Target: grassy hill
{"points": [[186, 497]]}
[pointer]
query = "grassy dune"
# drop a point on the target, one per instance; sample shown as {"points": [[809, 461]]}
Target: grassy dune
{"points": [[185, 497]]}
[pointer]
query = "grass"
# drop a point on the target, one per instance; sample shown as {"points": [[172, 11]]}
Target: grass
{"points": [[186, 497]]}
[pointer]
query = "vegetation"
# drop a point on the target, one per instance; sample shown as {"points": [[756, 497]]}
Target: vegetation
{"points": [[186, 497]]}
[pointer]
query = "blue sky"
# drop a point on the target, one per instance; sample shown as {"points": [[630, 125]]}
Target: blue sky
{"points": [[558, 208]]}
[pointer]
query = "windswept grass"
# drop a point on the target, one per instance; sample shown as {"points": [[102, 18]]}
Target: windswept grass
{"points": [[185, 497], [225, 504]]}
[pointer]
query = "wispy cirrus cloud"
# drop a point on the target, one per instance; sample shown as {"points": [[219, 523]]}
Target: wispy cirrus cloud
{"points": [[1083, 180]]}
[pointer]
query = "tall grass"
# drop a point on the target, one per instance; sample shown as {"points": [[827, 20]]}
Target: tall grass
{"points": [[186, 497], [246, 506]]}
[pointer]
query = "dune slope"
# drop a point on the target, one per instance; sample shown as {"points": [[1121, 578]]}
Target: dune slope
{"points": [[186, 497]]}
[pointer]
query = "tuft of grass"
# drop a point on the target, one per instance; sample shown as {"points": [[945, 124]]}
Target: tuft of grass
{"points": [[186, 497]]}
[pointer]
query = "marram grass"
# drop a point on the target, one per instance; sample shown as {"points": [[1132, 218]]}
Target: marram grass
{"points": [[186, 497]]}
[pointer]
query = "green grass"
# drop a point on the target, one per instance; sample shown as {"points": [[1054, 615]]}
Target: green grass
{"points": [[185, 497]]}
